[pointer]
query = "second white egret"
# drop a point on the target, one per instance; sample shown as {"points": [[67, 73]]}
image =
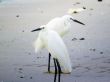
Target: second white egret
{"points": [[60, 24], [51, 40]]}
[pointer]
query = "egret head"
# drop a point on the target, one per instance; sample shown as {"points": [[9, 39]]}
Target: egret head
{"points": [[70, 18], [38, 29]]}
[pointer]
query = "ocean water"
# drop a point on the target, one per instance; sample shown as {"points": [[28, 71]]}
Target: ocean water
{"points": [[20, 1], [16, 1], [5, 1]]}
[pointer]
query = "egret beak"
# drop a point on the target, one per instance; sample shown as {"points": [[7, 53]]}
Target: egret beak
{"points": [[38, 29], [77, 21]]}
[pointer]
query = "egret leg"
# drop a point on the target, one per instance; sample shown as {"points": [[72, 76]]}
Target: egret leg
{"points": [[59, 70], [49, 62], [55, 63]]}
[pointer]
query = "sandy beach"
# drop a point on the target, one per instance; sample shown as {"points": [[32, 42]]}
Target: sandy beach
{"points": [[88, 46]]}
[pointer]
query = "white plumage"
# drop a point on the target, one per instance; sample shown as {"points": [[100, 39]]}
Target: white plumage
{"points": [[54, 44], [60, 24]]}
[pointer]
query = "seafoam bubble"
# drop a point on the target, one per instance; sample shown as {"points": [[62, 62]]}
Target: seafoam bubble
{"points": [[75, 10]]}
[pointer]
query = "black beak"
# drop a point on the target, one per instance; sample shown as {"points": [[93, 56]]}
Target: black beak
{"points": [[77, 21], [38, 29]]}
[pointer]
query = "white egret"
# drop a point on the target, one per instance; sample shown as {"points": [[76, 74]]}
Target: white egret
{"points": [[59, 24], [51, 40]]}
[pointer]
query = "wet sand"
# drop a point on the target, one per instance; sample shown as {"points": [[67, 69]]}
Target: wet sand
{"points": [[89, 45]]}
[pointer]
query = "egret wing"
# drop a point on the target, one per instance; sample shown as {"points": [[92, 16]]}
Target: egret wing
{"points": [[58, 50]]}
